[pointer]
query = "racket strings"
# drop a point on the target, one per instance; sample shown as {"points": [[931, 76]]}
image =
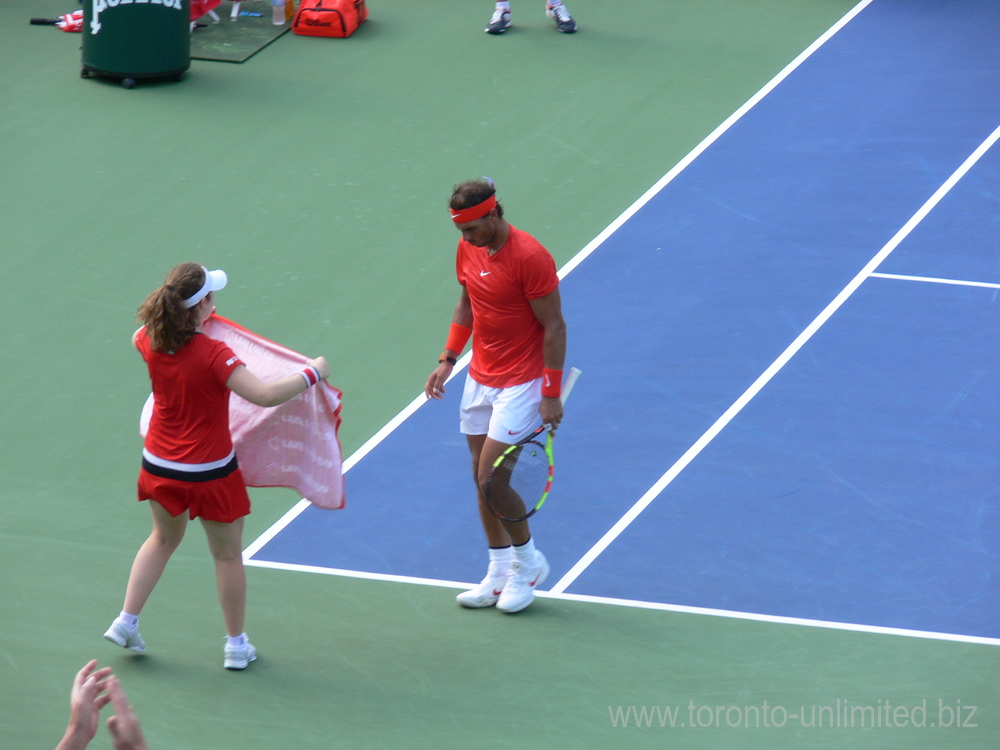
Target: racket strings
{"points": [[520, 481]]}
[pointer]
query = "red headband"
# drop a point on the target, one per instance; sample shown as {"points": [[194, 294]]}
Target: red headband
{"points": [[465, 215]]}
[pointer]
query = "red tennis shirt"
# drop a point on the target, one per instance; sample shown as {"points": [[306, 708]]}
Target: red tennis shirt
{"points": [[190, 421], [507, 345]]}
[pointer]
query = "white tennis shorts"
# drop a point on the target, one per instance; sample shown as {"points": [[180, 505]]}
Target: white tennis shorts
{"points": [[504, 414]]}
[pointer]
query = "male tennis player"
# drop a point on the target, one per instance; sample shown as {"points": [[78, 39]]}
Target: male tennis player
{"points": [[510, 302], [554, 9]]}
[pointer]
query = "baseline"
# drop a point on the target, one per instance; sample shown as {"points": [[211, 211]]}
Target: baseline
{"points": [[638, 604]]}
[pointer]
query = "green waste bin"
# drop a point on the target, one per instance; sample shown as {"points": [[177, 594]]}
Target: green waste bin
{"points": [[136, 39]]}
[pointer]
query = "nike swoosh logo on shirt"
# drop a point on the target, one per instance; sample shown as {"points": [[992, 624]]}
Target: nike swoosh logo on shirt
{"points": [[485, 273]]}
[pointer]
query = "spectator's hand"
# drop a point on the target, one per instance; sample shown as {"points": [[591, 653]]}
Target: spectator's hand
{"points": [[124, 725], [86, 700]]}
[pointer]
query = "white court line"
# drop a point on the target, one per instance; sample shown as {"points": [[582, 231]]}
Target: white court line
{"points": [[657, 606], [378, 437], [711, 138], [730, 413], [360, 453], [558, 591], [344, 573], [933, 280], [775, 619]]}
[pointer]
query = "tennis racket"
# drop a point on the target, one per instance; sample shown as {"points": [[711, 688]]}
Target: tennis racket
{"points": [[521, 477]]}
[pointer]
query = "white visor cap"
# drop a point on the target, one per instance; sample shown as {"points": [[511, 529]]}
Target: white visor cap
{"points": [[214, 281]]}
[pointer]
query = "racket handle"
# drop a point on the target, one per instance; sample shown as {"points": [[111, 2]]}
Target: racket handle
{"points": [[568, 385], [44, 21]]}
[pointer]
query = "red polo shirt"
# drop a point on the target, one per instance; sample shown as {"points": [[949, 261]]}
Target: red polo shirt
{"points": [[507, 344]]}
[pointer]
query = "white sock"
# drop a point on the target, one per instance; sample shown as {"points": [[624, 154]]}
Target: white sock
{"points": [[526, 552], [500, 559], [503, 5], [237, 640], [129, 621]]}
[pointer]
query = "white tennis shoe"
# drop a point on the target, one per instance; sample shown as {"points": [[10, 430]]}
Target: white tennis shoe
{"points": [[520, 589], [238, 657], [120, 635], [486, 593], [559, 14], [500, 21]]}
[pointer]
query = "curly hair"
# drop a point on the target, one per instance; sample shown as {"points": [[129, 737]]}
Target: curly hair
{"points": [[472, 193], [169, 324]]}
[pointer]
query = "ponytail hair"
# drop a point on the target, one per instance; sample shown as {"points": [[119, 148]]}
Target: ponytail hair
{"points": [[169, 323]]}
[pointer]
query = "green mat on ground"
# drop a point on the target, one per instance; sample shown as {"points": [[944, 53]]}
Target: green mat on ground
{"points": [[235, 41]]}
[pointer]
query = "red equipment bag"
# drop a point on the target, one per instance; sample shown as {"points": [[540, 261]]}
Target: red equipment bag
{"points": [[339, 18]]}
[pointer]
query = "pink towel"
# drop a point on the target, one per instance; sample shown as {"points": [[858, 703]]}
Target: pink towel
{"points": [[293, 445]]}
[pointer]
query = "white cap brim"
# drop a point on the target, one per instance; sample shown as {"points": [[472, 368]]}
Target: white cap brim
{"points": [[214, 281]]}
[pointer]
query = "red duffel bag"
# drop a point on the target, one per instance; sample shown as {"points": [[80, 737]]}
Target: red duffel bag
{"points": [[338, 18]]}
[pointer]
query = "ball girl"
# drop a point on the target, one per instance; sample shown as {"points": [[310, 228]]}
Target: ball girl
{"points": [[189, 466]]}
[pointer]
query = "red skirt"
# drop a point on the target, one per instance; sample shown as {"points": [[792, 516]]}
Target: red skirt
{"points": [[223, 500], [201, 7]]}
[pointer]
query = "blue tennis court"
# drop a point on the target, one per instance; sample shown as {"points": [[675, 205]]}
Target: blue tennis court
{"points": [[789, 406]]}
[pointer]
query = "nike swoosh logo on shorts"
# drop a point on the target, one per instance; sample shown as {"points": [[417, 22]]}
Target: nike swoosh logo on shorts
{"points": [[485, 273]]}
